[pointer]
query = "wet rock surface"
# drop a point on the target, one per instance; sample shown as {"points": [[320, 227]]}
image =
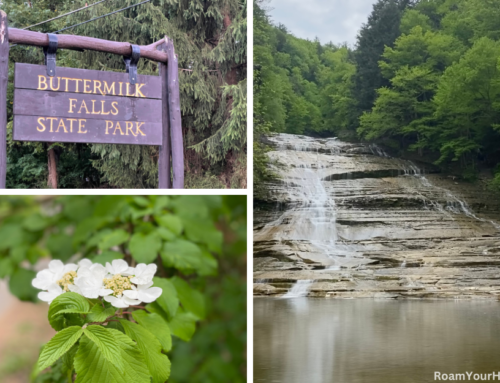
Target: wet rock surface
{"points": [[354, 222]]}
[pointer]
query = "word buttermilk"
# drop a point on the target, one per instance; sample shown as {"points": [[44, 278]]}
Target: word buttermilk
{"points": [[86, 106]]}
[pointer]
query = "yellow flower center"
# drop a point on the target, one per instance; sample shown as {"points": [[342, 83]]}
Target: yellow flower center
{"points": [[118, 284], [67, 279]]}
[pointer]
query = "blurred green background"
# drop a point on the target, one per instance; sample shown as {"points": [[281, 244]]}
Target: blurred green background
{"points": [[36, 229]]}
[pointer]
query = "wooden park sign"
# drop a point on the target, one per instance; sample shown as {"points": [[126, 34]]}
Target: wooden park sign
{"points": [[56, 104]]}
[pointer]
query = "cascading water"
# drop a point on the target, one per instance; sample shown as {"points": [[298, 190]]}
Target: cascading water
{"points": [[300, 289], [352, 215]]}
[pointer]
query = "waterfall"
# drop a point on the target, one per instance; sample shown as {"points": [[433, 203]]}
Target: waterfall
{"points": [[350, 214], [300, 289]]}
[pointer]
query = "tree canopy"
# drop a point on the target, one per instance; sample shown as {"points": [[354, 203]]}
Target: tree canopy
{"points": [[423, 76], [210, 41]]}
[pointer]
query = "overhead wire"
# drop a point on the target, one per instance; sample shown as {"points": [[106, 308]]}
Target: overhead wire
{"points": [[66, 14], [96, 18]]}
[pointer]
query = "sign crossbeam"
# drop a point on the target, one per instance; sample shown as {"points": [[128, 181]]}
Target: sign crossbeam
{"points": [[88, 106]]}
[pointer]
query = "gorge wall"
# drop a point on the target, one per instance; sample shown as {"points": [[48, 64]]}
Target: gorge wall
{"points": [[347, 220]]}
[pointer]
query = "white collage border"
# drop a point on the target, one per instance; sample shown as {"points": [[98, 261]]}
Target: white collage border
{"points": [[248, 192]]}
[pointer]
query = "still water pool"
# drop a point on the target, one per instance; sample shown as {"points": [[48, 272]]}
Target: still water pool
{"points": [[306, 340]]}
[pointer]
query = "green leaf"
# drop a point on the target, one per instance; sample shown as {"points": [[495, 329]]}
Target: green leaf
{"points": [[70, 311], [142, 201], [145, 248], [161, 203], [156, 309], [158, 363], [68, 358], [107, 344], [97, 237], [182, 255], [204, 232], [18, 253], [183, 325], [58, 346], [67, 301], [115, 238], [165, 234], [6, 267], [191, 300], [87, 227], [107, 256], [92, 367], [11, 235], [168, 300], [171, 222], [60, 246], [155, 324], [100, 314], [35, 222], [20, 284]]}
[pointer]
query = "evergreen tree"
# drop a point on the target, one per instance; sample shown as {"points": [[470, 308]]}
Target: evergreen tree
{"points": [[381, 30], [210, 41]]}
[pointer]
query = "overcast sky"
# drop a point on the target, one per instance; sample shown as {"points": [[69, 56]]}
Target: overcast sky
{"points": [[337, 21]]}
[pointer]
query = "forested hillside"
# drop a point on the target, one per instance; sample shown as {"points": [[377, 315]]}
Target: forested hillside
{"points": [[210, 40], [423, 77]]}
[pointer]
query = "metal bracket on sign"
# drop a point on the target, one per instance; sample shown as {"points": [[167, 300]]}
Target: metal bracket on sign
{"points": [[131, 63], [50, 55]]}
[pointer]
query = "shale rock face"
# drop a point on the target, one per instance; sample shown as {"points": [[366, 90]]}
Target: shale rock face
{"points": [[353, 222]]}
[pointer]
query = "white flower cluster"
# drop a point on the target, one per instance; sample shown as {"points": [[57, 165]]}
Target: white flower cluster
{"points": [[118, 283]]}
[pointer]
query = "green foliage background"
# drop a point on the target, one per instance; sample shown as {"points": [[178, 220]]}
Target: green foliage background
{"points": [[198, 240], [423, 80], [210, 41]]}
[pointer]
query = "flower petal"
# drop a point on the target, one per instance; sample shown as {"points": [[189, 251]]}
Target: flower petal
{"points": [[43, 279], [56, 266], [132, 294], [75, 289], [98, 270], [105, 292], [85, 263], [70, 267], [131, 301], [145, 286], [140, 268], [116, 302], [119, 266], [149, 295], [47, 297]]}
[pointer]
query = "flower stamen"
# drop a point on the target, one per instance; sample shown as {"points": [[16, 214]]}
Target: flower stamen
{"points": [[118, 284], [67, 279]]}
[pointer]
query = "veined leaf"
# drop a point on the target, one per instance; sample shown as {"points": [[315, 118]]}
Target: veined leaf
{"points": [[182, 255], [171, 222], [67, 301], [156, 325], [168, 300], [183, 325], [100, 314], [115, 238], [107, 344], [92, 367], [145, 248], [58, 346], [158, 363], [191, 299]]}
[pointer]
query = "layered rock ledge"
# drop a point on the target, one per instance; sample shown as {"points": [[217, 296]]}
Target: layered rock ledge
{"points": [[355, 222]]}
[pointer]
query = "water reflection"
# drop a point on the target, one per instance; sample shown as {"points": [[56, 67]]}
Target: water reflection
{"points": [[369, 341]]}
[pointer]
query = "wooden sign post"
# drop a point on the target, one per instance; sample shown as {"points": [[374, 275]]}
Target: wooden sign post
{"points": [[87, 106]]}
